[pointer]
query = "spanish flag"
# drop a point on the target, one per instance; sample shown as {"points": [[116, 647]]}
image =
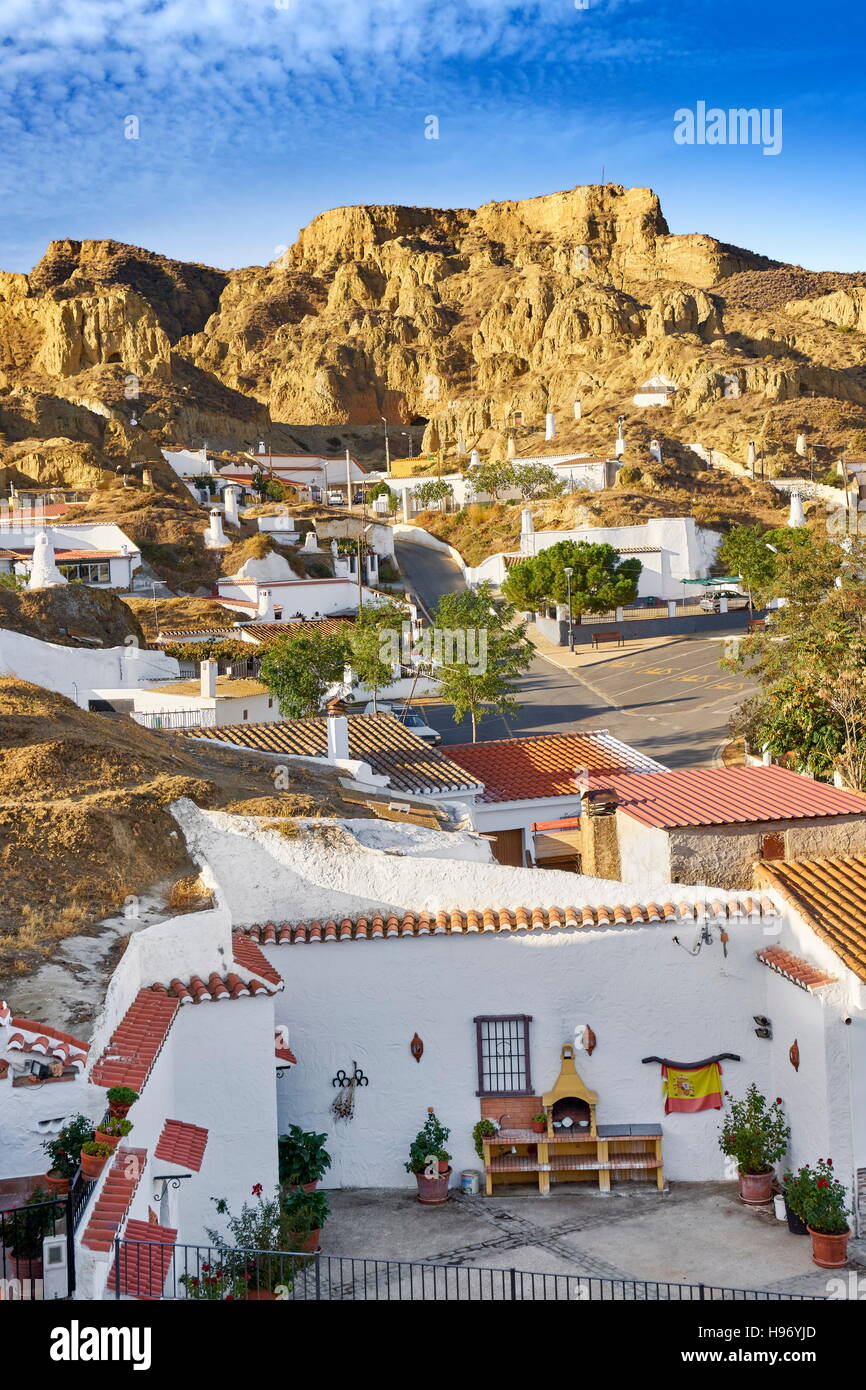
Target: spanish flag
{"points": [[692, 1088]]}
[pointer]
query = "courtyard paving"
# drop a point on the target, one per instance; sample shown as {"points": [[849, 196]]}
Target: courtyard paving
{"points": [[694, 1233]]}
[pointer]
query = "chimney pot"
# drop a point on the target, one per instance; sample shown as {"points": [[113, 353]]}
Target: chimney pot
{"points": [[208, 677]]}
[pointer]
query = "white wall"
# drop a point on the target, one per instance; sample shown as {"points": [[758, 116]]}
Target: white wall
{"points": [[78, 672], [31, 1114], [643, 849], [304, 597], [641, 994]]}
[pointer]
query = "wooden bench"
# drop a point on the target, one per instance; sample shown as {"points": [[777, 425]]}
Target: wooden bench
{"points": [[599, 637], [757, 625]]}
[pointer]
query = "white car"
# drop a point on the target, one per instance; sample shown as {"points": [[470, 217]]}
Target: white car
{"points": [[408, 716], [336, 499]]}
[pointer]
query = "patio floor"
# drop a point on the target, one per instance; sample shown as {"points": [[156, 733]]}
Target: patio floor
{"points": [[694, 1233]]}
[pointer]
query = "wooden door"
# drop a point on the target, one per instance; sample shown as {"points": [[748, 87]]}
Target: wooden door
{"points": [[508, 847]]}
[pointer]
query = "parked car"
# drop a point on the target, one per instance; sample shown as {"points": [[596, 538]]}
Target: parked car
{"points": [[650, 601], [711, 603], [357, 499], [408, 716], [335, 498]]}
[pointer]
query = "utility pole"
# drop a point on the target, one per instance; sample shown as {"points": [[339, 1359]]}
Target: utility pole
{"points": [[387, 446]]}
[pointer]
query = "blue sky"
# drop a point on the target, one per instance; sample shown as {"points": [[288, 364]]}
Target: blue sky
{"points": [[254, 115]]}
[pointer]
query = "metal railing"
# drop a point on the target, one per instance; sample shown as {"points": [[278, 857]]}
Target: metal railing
{"points": [[151, 1269], [22, 1231], [175, 719]]}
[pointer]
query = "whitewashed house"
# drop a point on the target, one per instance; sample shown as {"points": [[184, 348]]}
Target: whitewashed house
{"points": [[659, 390], [98, 554]]}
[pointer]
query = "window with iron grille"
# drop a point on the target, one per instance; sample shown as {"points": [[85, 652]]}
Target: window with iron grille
{"points": [[503, 1054]]}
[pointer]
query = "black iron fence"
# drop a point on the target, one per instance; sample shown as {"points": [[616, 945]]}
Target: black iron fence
{"points": [[153, 1270], [23, 1231]]}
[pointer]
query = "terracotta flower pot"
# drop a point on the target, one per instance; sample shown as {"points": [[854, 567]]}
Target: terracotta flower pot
{"points": [[756, 1189], [57, 1185], [444, 1165], [830, 1252], [538, 1127], [102, 1138], [306, 1244], [259, 1295], [433, 1192], [24, 1270], [118, 1111], [92, 1166]]}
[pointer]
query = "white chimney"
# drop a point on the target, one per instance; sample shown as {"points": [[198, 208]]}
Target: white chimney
{"points": [[217, 535], [475, 459], [511, 449], [619, 446], [577, 410], [752, 455], [208, 675], [550, 425], [265, 609], [230, 502], [655, 450], [801, 445], [527, 532], [338, 737], [796, 516], [461, 446]]}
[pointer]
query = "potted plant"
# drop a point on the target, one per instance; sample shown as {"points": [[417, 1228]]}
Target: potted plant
{"points": [[120, 1098], [303, 1158], [790, 1189], [64, 1153], [93, 1158], [304, 1214], [214, 1283], [817, 1196], [111, 1132], [538, 1123], [429, 1161], [31, 1225], [756, 1135], [484, 1129]]}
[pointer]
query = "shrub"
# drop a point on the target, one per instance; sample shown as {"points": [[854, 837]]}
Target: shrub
{"points": [[32, 1225], [303, 1156], [95, 1150], [818, 1197], [64, 1150], [483, 1130], [755, 1133], [304, 1212], [215, 1284], [116, 1128], [121, 1095]]}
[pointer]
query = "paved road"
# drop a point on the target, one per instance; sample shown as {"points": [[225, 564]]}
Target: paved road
{"points": [[671, 702]]}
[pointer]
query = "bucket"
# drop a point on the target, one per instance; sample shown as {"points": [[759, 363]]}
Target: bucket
{"points": [[470, 1182], [779, 1206]]}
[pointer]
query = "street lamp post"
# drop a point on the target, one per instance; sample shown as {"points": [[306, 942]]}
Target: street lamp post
{"points": [[387, 445], [568, 573]]}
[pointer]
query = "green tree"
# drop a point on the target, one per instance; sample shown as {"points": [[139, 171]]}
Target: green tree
{"points": [[301, 668], [491, 478], [744, 551], [382, 490], [600, 579], [537, 480], [432, 491], [495, 651], [374, 637]]}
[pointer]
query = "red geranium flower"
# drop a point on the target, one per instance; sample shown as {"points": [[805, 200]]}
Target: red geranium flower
{"points": [[257, 1190], [829, 1163], [778, 1100], [822, 1182]]}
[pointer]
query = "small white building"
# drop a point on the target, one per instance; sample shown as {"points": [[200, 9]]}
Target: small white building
{"points": [[210, 700], [99, 554], [659, 390]]}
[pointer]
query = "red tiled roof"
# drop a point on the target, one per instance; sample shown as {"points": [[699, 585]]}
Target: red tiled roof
{"points": [[830, 893], [143, 1266], [42, 1028], [182, 1143], [114, 1198], [249, 957], [546, 765], [136, 1041], [285, 1054], [729, 796], [794, 968], [723, 908]]}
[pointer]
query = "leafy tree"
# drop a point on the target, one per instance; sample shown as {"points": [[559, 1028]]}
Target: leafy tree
{"points": [[381, 490], [810, 709], [537, 480], [744, 551], [495, 653], [368, 651], [432, 491], [601, 580], [301, 668], [491, 478]]}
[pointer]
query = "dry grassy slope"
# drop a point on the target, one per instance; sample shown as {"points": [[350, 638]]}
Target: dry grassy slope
{"points": [[76, 615], [84, 819]]}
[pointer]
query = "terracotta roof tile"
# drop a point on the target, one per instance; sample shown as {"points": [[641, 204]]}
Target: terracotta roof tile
{"points": [[466, 922], [248, 955], [830, 894], [136, 1041], [182, 1143], [546, 765], [145, 1257], [114, 1198], [381, 740], [794, 968], [729, 796]]}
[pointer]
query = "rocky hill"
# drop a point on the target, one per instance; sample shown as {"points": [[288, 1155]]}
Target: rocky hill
{"points": [[448, 320]]}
